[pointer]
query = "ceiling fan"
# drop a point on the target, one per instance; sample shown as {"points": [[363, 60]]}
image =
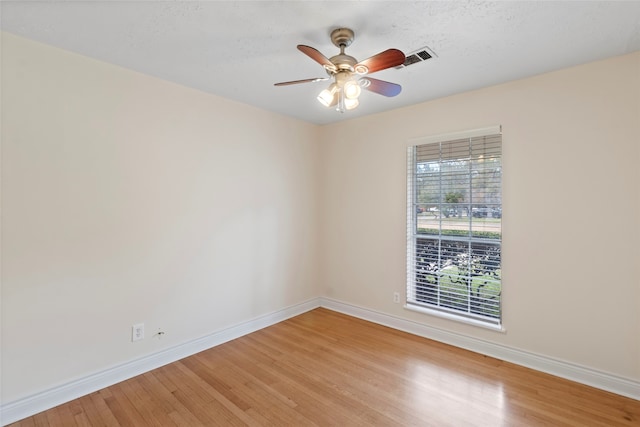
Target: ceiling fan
{"points": [[345, 71]]}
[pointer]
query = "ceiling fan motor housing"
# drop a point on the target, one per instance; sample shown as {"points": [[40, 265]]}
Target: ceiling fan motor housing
{"points": [[344, 62]]}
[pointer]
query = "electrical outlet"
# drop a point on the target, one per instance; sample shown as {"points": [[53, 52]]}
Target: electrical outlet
{"points": [[396, 297], [137, 332]]}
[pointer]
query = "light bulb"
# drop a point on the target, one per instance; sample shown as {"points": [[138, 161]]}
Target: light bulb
{"points": [[352, 89], [350, 104], [326, 96]]}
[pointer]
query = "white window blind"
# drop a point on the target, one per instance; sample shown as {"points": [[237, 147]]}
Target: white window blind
{"points": [[454, 225]]}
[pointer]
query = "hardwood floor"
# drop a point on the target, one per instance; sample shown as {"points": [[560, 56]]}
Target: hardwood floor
{"points": [[327, 369]]}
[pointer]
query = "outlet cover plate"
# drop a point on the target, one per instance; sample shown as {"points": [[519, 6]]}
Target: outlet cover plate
{"points": [[137, 332]]}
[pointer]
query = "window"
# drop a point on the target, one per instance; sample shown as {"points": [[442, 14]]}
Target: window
{"points": [[454, 226]]}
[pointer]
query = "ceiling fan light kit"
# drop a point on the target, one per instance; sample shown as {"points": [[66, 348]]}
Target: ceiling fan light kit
{"points": [[346, 72]]}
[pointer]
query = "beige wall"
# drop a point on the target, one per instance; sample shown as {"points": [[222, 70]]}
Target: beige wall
{"points": [[129, 199], [571, 194]]}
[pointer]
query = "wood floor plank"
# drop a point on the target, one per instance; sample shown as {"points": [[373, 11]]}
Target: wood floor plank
{"points": [[207, 403], [41, 420], [100, 414], [309, 403], [121, 407], [170, 405], [57, 415], [324, 368]]}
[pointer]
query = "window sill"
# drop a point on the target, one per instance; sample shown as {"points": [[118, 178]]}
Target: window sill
{"points": [[460, 319]]}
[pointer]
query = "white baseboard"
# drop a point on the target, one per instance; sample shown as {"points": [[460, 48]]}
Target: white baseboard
{"points": [[570, 371], [31, 405]]}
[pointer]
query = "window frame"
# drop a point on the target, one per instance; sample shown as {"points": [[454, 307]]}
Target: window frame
{"points": [[413, 236]]}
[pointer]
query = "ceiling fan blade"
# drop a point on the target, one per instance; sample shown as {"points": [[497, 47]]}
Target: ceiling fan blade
{"points": [[318, 57], [387, 59], [380, 86], [295, 82]]}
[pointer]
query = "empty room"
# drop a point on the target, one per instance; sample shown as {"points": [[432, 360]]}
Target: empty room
{"points": [[287, 213]]}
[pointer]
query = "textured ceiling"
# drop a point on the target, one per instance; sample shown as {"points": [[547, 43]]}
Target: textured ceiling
{"points": [[238, 49]]}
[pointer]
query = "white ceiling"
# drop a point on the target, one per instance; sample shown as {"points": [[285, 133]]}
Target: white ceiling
{"points": [[238, 49]]}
